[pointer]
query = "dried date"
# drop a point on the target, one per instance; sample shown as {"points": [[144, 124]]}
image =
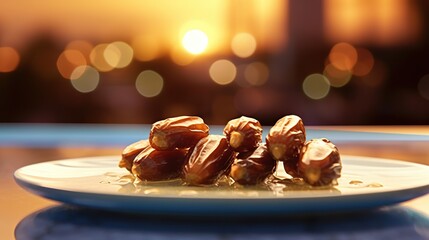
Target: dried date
{"points": [[155, 165], [285, 140], [243, 134], [253, 167], [177, 132], [131, 151], [208, 161], [320, 163]]}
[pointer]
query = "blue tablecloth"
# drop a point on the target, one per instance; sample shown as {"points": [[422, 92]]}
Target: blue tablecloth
{"points": [[46, 135]]}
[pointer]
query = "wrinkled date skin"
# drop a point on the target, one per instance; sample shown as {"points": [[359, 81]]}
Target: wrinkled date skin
{"points": [[243, 134], [284, 142], [154, 165], [209, 159], [131, 152], [253, 167], [320, 163], [177, 132]]}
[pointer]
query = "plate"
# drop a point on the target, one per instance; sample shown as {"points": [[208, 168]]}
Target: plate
{"points": [[98, 182]]}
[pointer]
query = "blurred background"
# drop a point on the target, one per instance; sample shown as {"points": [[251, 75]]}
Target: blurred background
{"points": [[332, 62]]}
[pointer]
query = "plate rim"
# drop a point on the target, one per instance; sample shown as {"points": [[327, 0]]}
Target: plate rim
{"points": [[213, 204]]}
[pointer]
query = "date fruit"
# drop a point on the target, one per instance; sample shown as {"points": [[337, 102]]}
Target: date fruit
{"points": [[208, 161], [131, 151], [320, 163], [284, 142], [155, 165], [251, 168], [177, 132], [243, 134]]}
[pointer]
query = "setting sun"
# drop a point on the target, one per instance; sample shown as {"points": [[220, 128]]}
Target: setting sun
{"points": [[195, 41]]}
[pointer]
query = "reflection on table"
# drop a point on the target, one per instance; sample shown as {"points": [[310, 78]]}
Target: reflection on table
{"points": [[64, 222]]}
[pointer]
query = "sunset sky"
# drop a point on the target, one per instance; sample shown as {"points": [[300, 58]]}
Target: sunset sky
{"points": [[108, 20]]}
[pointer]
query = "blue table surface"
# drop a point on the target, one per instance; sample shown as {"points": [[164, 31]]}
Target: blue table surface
{"points": [[48, 135]]}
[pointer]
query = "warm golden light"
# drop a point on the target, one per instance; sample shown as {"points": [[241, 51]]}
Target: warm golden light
{"points": [[180, 57], [343, 56], [316, 86], [256, 73], [223, 72], [85, 79], [154, 28], [195, 41], [149, 83], [382, 22], [243, 45], [68, 60], [146, 47], [9, 59], [337, 78], [118, 54], [98, 59], [82, 46]]}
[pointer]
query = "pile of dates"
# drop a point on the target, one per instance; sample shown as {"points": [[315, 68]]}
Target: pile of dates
{"points": [[181, 147]]}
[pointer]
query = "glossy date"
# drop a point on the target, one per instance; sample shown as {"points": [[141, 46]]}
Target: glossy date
{"points": [[253, 167], [285, 140], [155, 165], [131, 151], [181, 147], [320, 163], [177, 132], [208, 161], [243, 134]]}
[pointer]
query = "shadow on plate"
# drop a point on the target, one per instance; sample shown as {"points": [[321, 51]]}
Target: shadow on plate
{"points": [[67, 222]]}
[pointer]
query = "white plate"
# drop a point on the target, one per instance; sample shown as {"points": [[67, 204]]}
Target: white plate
{"points": [[98, 182]]}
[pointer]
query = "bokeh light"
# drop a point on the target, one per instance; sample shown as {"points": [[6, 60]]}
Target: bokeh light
{"points": [[146, 47], [343, 56], [9, 59], [195, 41], [337, 78], [243, 45], [423, 87], [98, 59], [85, 79], [365, 62], [256, 73], [149, 83], [118, 54], [316, 86], [68, 61], [223, 72], [82, 46], [112, 55]]}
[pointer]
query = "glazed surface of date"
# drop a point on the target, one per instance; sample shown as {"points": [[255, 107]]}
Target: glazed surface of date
{"points": [[320, 163], [253, 167], [284, 142], [208, 161], [243, 134], [131, 151], [155, 165], [177, 132]]}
